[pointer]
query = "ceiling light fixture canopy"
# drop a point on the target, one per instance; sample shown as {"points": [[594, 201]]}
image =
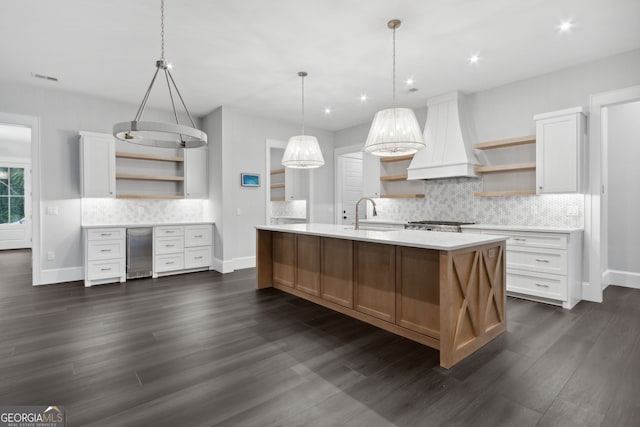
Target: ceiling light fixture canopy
{"points": [[303, 151], [394, 131], [161, 134]]}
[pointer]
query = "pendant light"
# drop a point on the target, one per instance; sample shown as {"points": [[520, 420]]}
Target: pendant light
{"points": [[394, 131], [161, 134], [303, 151]]}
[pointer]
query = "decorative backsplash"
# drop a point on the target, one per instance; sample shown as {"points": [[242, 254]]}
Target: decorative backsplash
{"points": [[294, 209], [127, 211], [453, 200]]}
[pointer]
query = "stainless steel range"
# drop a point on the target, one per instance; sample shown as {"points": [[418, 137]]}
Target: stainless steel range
{"points": [[448, 226]]}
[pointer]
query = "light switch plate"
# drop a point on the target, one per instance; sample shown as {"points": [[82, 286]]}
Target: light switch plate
{"points": [[572, 211], [52, 210]]}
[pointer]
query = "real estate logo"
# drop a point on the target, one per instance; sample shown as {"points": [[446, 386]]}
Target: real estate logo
{"points": [[32, 416]]}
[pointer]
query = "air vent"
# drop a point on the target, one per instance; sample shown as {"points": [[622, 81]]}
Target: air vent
{"points": [[43, 77], [413, 90]]}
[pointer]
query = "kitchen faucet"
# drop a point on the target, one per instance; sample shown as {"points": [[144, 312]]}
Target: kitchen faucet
{"points": [[375, 213]]}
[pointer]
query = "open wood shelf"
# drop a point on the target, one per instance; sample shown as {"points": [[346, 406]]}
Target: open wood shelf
{"points": [[277, 171], [402, 196], [396, 159], [148, 196], [505, 193], [277, 199], [510, 142], [506, 168], [401, 177], [138, 156], [278, 185], [149, 177]]}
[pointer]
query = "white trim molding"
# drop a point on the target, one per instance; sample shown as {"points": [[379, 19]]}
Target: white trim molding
{"points": [[222, 266], [241, 263], [627, 279], [61, 275]]}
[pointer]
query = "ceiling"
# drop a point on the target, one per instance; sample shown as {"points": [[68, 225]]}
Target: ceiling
{"points": [[246, 53]]}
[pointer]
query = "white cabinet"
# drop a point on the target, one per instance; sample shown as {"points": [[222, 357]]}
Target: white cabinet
{"points": [[182, 247], [370, 175], [541, 265], [104, 255], [97, 165], [196, 177], [560, 139], [295, 184]]}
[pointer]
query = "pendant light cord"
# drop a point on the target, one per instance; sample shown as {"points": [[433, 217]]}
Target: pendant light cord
{"points": [[162, 30], [303, 105], [394, 68]]}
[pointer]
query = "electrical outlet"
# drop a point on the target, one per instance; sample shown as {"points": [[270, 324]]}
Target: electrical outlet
{"points": [[51, 256], [238, 212], [572, 211], [52, 210]]}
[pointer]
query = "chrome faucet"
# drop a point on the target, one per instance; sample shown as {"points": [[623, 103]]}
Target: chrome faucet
{"points": [[375, 213]]}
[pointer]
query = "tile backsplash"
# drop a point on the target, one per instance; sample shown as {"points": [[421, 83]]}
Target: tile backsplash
{"points": [[453, 200], [128, 211], [294, 209]]}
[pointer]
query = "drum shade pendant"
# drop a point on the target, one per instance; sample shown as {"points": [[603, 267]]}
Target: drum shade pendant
{"points": [[160, 134], [303, 151], [394, 131]]}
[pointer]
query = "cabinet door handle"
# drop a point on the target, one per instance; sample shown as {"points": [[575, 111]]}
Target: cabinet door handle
{"points": [[542, 260], [105, 269], [105, 234], [198, 236], [169, 246], [169, 231], [169, 262], [105, 250], [542, 285], [198, 257], [519, 239]]}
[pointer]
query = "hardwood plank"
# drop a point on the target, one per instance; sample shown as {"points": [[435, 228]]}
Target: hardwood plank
{"points": [[505, 168], [504, 193], [149, 177], [401, 177], [509, 142], [396, 158], [140, 156]]}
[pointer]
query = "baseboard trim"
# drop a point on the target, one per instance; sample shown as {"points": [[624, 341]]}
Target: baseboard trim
{"points": [[590, 293], [222, 266], [61, 275], [244, 262], [625, 279]]}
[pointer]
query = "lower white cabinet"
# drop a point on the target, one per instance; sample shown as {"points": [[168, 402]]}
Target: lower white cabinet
{"points": [[104, 255], [542, 264], [182, 247]]}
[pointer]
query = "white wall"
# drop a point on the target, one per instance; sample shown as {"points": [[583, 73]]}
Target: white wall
{"points": [[15, 143], [242, 149], [623, 197], [63, 115]]}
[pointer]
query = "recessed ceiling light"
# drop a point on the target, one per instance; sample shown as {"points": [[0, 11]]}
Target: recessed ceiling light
{"points": [[565, 26], [474, 59], [410, 81], [328, 111], [363, 97]]}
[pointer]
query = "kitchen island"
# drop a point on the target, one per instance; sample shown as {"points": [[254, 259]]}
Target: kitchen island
{"points": [[443, 290]]}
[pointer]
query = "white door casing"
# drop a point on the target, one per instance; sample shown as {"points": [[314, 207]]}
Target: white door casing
{"points": [[351, 188], [17, 235]]}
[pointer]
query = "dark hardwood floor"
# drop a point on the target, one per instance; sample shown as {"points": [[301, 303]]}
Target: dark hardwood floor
{"points": [[207, 349]]}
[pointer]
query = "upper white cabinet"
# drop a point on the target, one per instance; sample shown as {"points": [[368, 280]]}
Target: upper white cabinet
{"points": [[196, 175], [97, 165], [370, 175], [559, 151], [295, 184]]}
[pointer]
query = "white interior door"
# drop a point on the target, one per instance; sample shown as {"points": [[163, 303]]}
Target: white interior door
{"points": [[15, 205], [351, 173]]}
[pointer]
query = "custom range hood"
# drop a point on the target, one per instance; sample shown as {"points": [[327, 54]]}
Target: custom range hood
{"points": [[449, 152]]}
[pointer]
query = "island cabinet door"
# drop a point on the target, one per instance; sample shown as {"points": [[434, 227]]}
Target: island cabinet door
{"points": [[284, 258], [308, 264], [337, 271], [375, 280], [418, 290]]}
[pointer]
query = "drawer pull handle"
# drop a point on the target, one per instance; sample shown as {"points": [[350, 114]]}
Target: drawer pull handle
{"points": [[519, 239], [542, 285], [198, 236], [106, 234], [169, 231], [169, 246], [105, 269], [198, 257], [105, 250], [169, 262], [542, 260]]}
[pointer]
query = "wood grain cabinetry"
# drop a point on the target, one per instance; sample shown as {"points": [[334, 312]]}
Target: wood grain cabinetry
{"points": [[308, 264], [336, 271], [375, 282], [284, 259]]}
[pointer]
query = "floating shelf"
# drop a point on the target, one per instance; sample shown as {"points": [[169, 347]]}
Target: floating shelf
{"points": [[511, 142], [148, 196], [396, 159], [149, 177], [138, 156], [402, 196], [505, 193], [402, 177], [506, 168], [277, 171], [277, 199], [278, 185]]}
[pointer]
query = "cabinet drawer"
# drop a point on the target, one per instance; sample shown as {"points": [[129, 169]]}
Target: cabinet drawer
{"points": [[169, 262], [197, 235], [169, 245], [106, 249], [545, 260], [169, 231], [197, 257], [105, 234], [105, 269], [527, 239], [539, 284]]}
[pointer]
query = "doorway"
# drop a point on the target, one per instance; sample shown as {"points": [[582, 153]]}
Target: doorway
{"points": [[349, 184]]}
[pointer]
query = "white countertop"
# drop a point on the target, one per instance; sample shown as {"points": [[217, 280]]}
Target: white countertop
{"points": [[417, 239], [153, 224], [382, 221], [532, 228]]}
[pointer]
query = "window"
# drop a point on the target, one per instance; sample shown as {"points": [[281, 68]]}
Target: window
{"points": [[12, 196]]}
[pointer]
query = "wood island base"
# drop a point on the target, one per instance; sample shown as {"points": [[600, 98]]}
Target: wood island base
{"points": [[453, 300]]}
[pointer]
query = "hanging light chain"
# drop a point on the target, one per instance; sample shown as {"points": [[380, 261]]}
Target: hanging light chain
{"points": [[162, 30], [394, 67], [302, 74]]}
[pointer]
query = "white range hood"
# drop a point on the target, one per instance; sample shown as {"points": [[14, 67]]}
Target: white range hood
{"points": [[449, 152]]}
